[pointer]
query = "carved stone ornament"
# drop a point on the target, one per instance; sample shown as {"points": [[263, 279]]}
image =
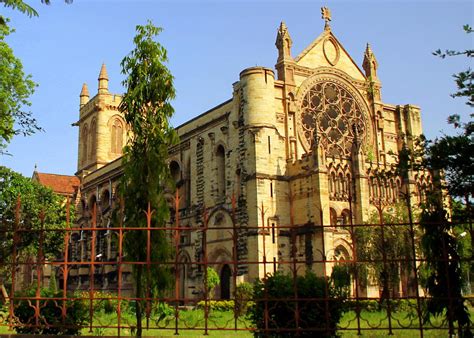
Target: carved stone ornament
{"points": [[330, 111], [331, 51]]}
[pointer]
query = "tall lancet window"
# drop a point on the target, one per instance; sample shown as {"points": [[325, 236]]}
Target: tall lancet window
{"points": [[220, 168], [93, 147], [116, 137], [84, 140]]}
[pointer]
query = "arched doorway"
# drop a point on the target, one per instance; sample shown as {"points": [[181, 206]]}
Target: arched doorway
{"points": [[225, 282]]}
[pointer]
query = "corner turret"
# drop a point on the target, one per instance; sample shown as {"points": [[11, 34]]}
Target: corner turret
{"points": [[103, 80], [84, 96]]}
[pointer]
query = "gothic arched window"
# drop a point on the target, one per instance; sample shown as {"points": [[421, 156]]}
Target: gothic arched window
{"points": [[116, 142], [220, 168], [93, 146], [331, 114], [84, 139]]}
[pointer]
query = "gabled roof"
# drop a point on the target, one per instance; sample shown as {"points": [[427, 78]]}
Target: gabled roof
{"points": [[316, 46], [60, 184]]}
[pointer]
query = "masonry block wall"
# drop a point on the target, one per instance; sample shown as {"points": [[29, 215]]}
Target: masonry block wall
{"points": [[299, 148]]}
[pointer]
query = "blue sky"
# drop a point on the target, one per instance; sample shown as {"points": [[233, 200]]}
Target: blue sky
{"points": [[210, 42]]}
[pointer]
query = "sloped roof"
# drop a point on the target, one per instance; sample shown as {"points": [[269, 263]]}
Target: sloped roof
{"points": [[350, 66], [60, 184]]}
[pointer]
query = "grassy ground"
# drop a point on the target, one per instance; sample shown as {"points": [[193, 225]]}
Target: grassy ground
{"points": [[376, 324], [221, 323]]}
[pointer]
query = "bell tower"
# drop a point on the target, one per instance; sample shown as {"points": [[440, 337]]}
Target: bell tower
{"points": [[101, 126]]}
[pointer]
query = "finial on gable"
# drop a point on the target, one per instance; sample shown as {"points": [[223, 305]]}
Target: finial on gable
{"points": [[326, 15], [103, 80], [370, 64], [283, 42]]}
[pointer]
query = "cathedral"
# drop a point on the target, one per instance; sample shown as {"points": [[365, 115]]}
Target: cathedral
{"points": [[293, 149]]}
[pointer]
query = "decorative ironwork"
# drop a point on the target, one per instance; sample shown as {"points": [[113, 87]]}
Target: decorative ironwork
{"points": [[399, 312]]}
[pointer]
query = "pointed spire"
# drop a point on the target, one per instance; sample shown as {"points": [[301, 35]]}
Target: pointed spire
{"points": [[103, 80], [103, 73], [283, 42], [370, 64], [84, 96]]}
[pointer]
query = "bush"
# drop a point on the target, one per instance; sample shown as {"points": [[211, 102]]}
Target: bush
{"points": [[243, 298], [212, 280], [277, 296], [163, 312], [102, 301], [50, 315], [217, 305]]}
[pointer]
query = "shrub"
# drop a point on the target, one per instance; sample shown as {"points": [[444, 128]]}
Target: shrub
{"points": [[50, 315], [318, 315], [341, 279], [163, 312], [212, 280], [105, 302], [217, 305], [243, 298]]}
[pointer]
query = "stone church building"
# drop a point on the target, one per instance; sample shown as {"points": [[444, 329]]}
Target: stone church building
{"points": [[298, 146]]}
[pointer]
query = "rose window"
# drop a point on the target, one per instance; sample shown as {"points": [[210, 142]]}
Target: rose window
{"points": [[330, 114]]}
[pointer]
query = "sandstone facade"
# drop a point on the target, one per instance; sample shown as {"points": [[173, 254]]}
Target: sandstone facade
{"points": [[298, 148]]}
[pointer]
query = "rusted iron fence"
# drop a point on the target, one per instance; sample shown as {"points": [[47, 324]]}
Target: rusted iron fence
{"points": [[384, 292]]}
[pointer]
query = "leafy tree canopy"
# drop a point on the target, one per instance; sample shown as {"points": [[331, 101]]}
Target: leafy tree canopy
{"points": [[15, 86], [15, 90], [455, 154], [35, 200], [147, 109]]}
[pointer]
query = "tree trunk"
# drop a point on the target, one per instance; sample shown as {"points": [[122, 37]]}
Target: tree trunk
{"points": [[138, 307]]}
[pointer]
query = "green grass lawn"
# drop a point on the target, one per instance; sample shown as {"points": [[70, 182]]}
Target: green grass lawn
{"points": [[221, 323]]}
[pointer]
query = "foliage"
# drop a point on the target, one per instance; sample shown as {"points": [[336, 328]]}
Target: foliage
{"points": [[51, 320], [34, 200], [15, 86], [15, 89], [163, 311], [317, 316], [212, 280], [455, 154], [383, 246], [462, 231], [147, 109], [217, 305], [23, 7], [452, 156], [341, 279], [243, 298], [104, 302], [444, 282]]}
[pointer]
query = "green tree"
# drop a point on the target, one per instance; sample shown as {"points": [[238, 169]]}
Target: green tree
{"points": [[213, 280], [35, 199], [15, 90], [384, 246], [147, 109], [451, 159], [444, 278], [454, 155], [23, 7], [15, 87]]}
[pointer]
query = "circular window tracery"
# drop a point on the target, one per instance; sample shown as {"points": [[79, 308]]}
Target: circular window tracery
{"points": [[330, 113]]}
